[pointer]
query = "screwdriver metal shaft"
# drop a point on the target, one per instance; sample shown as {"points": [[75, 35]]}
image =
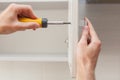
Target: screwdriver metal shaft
{"points": [[58, 22]]}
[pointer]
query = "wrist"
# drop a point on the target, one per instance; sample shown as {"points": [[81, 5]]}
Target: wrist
{"points": [[85, 71]]}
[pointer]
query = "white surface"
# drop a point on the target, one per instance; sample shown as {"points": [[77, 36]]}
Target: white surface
{"points": [[34, 71], [73, 34], [106, 21], [39, 57]]}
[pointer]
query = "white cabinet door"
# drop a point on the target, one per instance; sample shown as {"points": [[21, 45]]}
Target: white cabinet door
{"points": [[76, 17], [73, 33]]}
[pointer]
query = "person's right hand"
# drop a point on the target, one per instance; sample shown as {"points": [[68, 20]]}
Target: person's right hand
{"points": [[87, 53], [9, 22]]}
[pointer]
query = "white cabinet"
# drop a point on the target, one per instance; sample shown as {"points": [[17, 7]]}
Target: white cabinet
{"points": [[44, 45]]}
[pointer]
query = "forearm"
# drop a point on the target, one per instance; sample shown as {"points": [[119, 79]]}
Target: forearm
{"points": [[85, 69], [87, 75]]}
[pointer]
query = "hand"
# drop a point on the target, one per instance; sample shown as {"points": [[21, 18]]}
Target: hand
{"points": [[87, 53], [9, 22]]}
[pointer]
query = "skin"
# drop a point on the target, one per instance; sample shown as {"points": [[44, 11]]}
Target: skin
{"points": [[88, 47], [87, 53], [9, 22]]}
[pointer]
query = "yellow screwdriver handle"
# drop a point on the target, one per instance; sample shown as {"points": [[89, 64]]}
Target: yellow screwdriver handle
{"points": [[41, 21]]}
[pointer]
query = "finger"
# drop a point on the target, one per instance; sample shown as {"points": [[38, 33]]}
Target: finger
{"points": [[27, 25], [26, 11], [93, 34], [84, 37], [95, 42]]}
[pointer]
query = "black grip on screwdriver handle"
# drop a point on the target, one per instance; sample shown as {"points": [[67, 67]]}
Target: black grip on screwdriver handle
{"points": [[44, 22]]}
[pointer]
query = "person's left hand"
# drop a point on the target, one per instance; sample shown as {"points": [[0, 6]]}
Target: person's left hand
{"points": [[88, 51]]}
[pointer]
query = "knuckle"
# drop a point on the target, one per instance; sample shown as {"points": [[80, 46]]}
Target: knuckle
{"points": [[97, 43], [29, 7], [13, 5]]}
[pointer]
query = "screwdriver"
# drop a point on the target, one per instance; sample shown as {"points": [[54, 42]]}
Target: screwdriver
{"points": [[43, 22]]}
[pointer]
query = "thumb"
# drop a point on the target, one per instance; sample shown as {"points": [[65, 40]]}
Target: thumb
{"points": [[84, 37], [27, 25]]}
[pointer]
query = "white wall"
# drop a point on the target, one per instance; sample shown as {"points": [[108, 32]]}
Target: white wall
{"points": [[106, 20]]}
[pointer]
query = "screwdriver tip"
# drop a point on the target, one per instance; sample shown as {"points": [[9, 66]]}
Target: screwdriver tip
{"points": [[66, 23]]}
